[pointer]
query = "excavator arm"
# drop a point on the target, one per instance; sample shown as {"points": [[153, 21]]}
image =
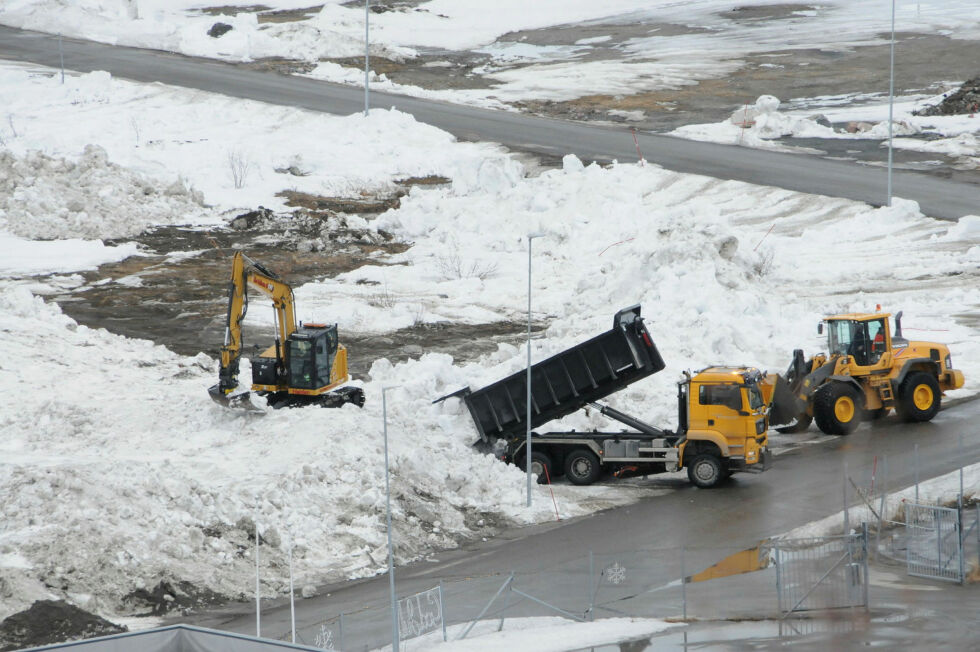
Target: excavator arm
{"points": [[246, 273]]}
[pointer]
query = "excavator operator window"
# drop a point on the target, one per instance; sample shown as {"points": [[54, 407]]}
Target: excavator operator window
{"points": [[323, 360], [876, 330], [840, 336], [301, 370]]}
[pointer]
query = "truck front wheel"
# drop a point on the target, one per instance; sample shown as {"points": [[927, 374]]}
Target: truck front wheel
{"points": [[706, 471], [582, 467], [837, 408]]}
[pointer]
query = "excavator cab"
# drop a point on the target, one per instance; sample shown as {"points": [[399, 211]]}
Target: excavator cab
{"points": [[310, 351]]}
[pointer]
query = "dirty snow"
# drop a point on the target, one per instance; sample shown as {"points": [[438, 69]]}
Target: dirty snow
{"points": [[763, 123], [121, 473]]}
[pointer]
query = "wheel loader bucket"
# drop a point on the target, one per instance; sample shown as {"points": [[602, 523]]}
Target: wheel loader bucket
{"points": [[785, 405], [241, 401]]}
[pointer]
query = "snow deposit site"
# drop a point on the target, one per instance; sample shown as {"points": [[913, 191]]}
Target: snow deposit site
{"points": [[405, 259]]}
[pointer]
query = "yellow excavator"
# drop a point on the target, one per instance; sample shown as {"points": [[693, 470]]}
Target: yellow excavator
{"points": [[867, 371], [306, 365]]}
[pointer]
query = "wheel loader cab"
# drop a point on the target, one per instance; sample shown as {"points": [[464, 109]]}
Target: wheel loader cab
{"points": [[864, 340]]}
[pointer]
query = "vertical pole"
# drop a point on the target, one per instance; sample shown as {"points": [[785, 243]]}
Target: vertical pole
{"points": [[915, 462], [61, 55], [366, 80], [442, 612], [867, 577], [527, 445], [683, 585], [891, 102], [341, 627], [292, 600], [779, 586], [391, 556], [847, 524], [258, 612], [591, 584]]}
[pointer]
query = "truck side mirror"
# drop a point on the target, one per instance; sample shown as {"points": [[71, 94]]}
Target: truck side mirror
{"points": [[820, 328]]}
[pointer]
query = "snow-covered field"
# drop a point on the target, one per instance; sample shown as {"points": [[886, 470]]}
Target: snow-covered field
{"points": [[117, 470], [688, 41]]}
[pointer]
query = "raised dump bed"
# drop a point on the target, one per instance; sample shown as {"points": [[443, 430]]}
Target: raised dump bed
{"points": [[568, 381]]}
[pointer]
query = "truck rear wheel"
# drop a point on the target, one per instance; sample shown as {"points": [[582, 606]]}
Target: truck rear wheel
{"points": [[706, 471], [582, 466], [919, 397], [837, 408], [539, 463]]}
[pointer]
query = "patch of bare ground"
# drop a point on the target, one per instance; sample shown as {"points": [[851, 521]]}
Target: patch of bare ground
{"points": [[280, 65], [287, 15], [232, 10], [368, 204]]}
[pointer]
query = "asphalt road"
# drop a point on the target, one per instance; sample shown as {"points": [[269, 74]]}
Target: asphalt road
{"points": [[804, 485], [937, 197]]}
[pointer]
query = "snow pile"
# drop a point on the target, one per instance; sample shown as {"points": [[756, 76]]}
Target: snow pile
{"points": [[46, 198], [122, 473]]}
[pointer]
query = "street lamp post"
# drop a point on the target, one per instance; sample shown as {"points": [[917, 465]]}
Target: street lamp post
{"points": [[527, 445], [367, 4], [891, 102], [391, 556]]}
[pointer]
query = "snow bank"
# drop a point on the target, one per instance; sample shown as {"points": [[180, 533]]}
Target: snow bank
{"points": [[46, 198], [121, 473]]}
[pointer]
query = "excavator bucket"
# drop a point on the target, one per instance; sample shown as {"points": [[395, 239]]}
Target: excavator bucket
{"points": [[241, 401], [784, 405]]}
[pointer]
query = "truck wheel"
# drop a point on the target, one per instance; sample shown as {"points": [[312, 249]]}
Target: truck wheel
{"points": [[539, 462], [919, 397], [837, 408], [706, 471], [801, 424], [582, 467]]}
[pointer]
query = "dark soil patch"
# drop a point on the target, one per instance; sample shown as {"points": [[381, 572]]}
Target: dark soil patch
{"points": [[964, 100], [230, 10], [281, 66], [167, 597], [370, 205], [288, 15], [764, 12], [52, 621]]}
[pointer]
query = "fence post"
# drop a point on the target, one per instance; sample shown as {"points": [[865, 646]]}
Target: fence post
{"points": [[779, 586], [683, 585], [847, 524], [591, 581], [916, 463], [867, 575], [341, 628], [442, 612]]}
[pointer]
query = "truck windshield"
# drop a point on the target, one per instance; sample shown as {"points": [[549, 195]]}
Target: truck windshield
{"points": [[755, 398]]}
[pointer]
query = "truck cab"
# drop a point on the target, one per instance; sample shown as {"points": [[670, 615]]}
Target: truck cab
{"points": [[726, 419]]}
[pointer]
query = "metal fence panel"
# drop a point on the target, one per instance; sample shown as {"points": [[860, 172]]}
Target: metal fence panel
{"points": [[934, 548], [821, 572]]}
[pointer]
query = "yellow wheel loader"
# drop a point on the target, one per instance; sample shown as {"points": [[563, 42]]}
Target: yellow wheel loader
{"points": [[867, 372], [305, 366]]}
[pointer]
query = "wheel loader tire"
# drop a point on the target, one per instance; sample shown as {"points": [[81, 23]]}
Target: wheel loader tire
{"points": [[706, 471], [919, 397], [539, 462], [801, 424], [837, 408], [582, 467]]}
